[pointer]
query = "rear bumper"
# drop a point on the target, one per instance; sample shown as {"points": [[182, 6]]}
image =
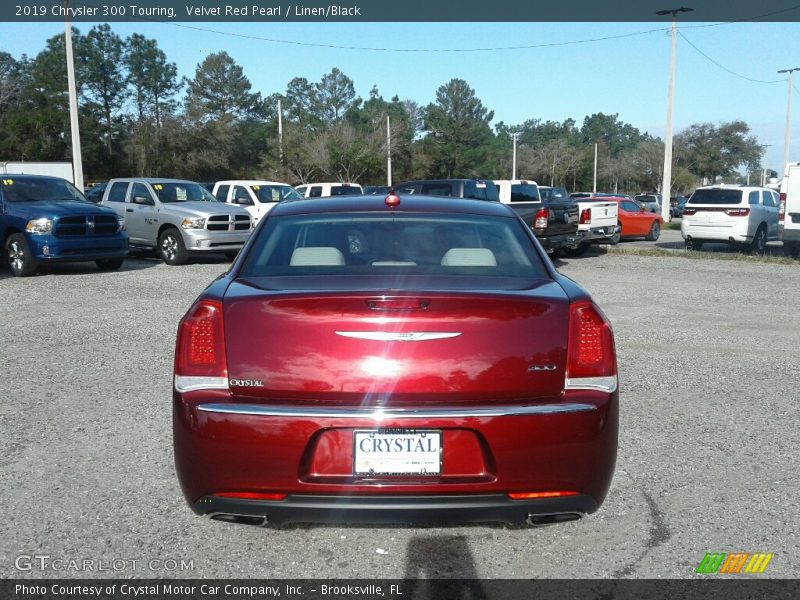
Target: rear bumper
{"points": [[557, 242], [600, 235], [790, 235], [494, 508], [567, 444], [714, 233]]}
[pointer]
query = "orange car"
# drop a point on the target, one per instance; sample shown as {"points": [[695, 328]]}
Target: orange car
{"points": [[636, 221]]}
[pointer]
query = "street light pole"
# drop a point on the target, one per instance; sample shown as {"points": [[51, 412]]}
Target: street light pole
{"points": [[666, 184], [77, 162], [514, 157], [787, 131]]}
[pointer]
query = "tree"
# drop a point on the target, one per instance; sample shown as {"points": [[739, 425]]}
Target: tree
{"points": [[709, 151], [335, 95], [102, 81], [458, 131], [152, 77], [219, 90], [608, 129]]}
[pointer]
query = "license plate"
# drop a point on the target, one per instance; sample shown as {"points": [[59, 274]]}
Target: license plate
{"points": [[397, 452]]}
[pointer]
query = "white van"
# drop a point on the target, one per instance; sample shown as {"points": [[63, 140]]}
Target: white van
{"points": [[738, 215], [324, 190], [789, 211], [256, 196]]}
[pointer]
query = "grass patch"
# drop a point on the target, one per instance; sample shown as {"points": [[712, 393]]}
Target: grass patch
{"points": [[672, 225], [701, 255]]}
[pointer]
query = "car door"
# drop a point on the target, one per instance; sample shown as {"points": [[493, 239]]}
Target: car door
{"points": [[115, 199], [632, 217], [770, 207], [142, 219], [242, 196]]}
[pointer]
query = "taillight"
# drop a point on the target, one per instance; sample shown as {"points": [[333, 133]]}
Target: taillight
{"points": [[586, 216], [737, 212], [200, 361], [541, 219], [591, 358], [538, 495], [251, 496], [782, 208], [689, 211]]}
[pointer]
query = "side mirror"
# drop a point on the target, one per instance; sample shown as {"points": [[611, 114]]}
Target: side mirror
{"points": [[243, 200], [143, 200]]}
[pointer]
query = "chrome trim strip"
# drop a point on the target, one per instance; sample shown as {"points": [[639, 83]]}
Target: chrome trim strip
{"points": [[389, 336], [603, 384], [378, 414], [185, 383]]}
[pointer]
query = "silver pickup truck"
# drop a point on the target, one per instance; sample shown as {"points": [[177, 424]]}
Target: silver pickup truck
{"points": [[177, 218]]}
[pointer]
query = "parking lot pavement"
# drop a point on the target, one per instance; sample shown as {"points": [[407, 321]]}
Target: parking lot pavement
{"points": [[708, 452]]}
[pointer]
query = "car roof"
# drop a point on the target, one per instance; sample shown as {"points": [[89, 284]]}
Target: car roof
{"points": [[153, 180], [249, 182], [367, 203]]}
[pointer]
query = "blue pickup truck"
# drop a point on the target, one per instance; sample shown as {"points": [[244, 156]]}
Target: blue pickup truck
{"points": [[46, 219]]}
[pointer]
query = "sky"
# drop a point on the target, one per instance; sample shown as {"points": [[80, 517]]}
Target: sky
{"points": [[724, 71]]}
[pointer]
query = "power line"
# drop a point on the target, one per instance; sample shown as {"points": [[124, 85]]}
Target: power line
{"points": [[723, 67]]}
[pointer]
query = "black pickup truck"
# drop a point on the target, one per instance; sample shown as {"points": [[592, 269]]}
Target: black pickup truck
{"points": [[549, 212]]}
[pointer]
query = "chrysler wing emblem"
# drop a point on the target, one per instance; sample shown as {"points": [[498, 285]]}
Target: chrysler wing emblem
{"points": [[408, 336]]}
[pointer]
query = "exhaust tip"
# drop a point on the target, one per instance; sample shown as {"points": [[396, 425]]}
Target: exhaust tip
{"points": [[241, 519], [542, 520]]}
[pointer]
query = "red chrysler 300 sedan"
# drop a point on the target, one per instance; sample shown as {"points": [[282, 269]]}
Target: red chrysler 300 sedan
{"points": [[416, 359]]}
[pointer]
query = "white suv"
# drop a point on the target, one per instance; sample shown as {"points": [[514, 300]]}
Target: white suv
{"points": [[789, 211], [739, 215]]}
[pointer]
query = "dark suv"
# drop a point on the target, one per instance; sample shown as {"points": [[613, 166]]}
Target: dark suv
{"points": [[477, 189]]}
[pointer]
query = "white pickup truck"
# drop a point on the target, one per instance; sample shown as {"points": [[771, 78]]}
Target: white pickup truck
{"points": [[254, 195], [598, 222]]}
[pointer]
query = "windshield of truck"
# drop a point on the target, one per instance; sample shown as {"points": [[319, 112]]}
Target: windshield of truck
{"points": [[182, 191], [39, 189], [275, 193]]}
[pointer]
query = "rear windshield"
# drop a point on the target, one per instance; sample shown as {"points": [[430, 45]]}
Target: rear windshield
{"points": [[524, 192], [645, 198], [716, 196], [182, 192], [37, 189], [345, 190], [275, 193], [478, 250]]}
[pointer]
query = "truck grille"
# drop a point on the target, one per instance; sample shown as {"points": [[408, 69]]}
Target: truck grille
{"points": [[86, 225], [228, 223]]}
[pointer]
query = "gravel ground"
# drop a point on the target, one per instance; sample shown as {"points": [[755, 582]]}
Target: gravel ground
{"points": [[708, 353]]}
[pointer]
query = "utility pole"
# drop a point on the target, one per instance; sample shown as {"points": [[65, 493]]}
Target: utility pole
{"points": [[666, 185], [594, 178], [787, 131], [280, 132], [514, 157], [388, 152], [77, 163]]}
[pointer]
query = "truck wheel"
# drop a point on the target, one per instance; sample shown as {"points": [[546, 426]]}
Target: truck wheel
{"points": [[693, 245], [579, 250], [615, 239], [171, 247], [655, 231], [231, 254], [109, 264], [19, 256], [791, 249]]}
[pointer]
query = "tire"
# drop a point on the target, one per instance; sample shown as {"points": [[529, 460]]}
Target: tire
{"points": [[693, 245], [171, 247], [617, 237], [791, 249], [231, 254], [759, 243], [578, 250], [109, 264], [654, 233], [20, 259]]}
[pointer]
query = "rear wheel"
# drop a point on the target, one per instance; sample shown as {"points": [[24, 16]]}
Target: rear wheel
{"points": [[19, 256], [615, 239], [693, 245], [109, 264], [655, 231], [759, 243], [171, 247]]}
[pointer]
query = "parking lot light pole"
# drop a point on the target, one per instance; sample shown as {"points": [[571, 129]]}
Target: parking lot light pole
{"points": [[77, 163], [787, 131], [514, 157], [666, 184]]}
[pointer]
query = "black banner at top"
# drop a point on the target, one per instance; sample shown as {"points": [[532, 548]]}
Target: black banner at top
{"points": [[398, 10]]}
